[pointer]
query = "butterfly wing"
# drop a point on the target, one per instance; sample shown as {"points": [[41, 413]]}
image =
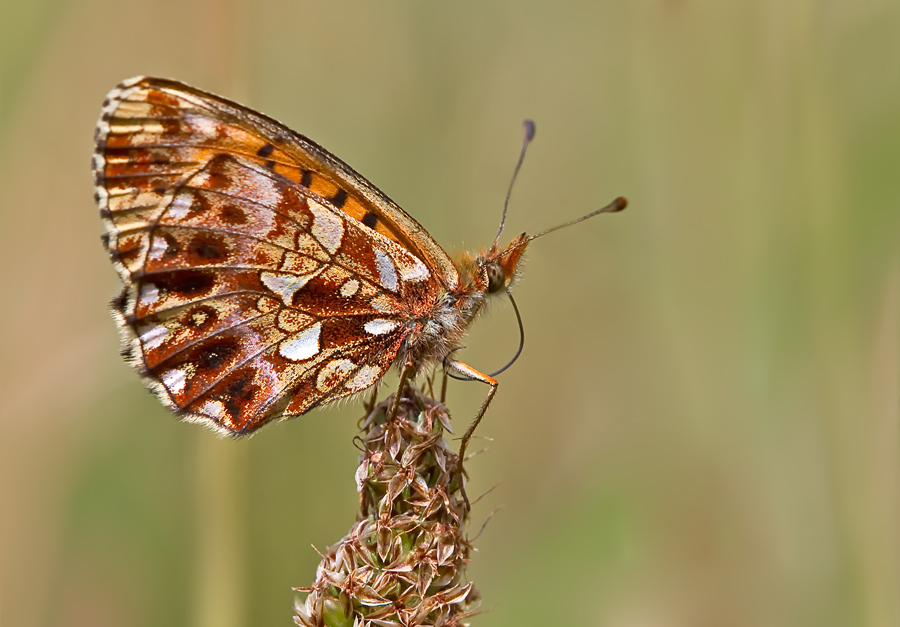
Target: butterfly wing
{"points": [[262, 275]]}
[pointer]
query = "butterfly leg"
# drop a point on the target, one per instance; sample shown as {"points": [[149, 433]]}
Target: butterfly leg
{"points": [[444, 380], [470, 372], [405, 375], [370, 404]]}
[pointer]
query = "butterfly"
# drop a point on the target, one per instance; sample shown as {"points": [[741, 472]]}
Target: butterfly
{"points": [[262, 276]]}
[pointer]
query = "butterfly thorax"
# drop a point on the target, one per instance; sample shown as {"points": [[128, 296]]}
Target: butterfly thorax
{"points": [[435, 336]]}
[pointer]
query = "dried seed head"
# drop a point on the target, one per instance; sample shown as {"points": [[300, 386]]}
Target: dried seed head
{"points": [[403, 562]]}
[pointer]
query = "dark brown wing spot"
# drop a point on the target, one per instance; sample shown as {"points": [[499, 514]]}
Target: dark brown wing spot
{"points": [[218, 178], [239, 392], [217, 353], [186, 282], [265, 151], [232, 214], [306, 178], [208, 247], [172, 247], [370, 220], [339, 198], [199, 204]]}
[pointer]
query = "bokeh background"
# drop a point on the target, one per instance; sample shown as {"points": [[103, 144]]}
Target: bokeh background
{"points": [[703, 428]]}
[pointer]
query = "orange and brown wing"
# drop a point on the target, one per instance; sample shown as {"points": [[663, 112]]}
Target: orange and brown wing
{"points": [[199, 124], [251, 291]]}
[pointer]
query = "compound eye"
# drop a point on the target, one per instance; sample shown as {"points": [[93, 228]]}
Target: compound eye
{"points": [[496, 278]]}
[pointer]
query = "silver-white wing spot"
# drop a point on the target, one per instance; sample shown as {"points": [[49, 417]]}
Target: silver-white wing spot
{"points": [[153, 336], [380, 326], [149, 294], [216, 409], [327, 228], [412, 269], [286, 285], [386, 270], [158, 248], [303, 345], [181, 206], [174, 380]]}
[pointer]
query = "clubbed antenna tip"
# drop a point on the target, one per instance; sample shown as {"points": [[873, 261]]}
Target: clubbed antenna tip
{"points": [[529, 128]]}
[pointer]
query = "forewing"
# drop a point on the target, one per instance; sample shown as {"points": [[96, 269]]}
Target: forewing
{"points": [[247, 295], [196, 123]]}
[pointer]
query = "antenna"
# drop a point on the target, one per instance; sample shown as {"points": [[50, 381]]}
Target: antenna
{"points": [[616, 205], [529, 129]]}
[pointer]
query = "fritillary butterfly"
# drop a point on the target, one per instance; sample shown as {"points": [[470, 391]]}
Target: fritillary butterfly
{"points": [[262, 275]]}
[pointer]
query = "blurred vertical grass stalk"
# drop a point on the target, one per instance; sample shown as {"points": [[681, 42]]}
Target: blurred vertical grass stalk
{"points": [[882, 513], [220, 482]]}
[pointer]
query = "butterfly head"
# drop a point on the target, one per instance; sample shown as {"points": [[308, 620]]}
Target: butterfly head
{"points": [[497, 269]]}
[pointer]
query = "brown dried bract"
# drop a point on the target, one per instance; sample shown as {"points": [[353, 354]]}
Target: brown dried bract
{"points": [[403, 562]]}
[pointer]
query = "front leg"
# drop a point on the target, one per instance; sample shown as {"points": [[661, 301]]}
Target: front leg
{"points": [[471, 373]]}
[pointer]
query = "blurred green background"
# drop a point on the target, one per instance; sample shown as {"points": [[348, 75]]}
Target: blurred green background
{"points": [[703, 428]]}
